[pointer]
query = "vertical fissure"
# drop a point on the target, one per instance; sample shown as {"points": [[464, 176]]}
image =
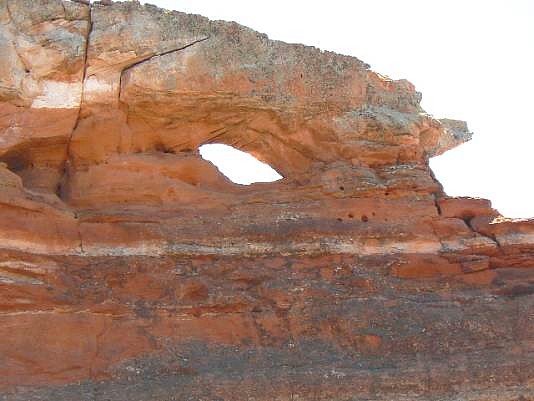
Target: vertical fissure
{"points": [[65, 168]]}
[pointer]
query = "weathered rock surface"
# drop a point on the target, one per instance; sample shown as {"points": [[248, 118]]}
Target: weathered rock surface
{"points": [[132, 269]]}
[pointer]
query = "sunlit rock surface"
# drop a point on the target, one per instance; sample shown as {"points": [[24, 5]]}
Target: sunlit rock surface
{"points": [[132, 269]]}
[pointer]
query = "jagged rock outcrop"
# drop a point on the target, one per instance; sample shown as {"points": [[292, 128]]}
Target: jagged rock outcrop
{"points": [[132, 269]]}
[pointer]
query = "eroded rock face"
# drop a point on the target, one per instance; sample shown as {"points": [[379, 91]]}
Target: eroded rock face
{"points": [[131, 268]]}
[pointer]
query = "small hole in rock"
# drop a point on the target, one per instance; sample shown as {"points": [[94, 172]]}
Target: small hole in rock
{"points": [[160, 147], [351, 216], [364, 218], [467, 219], [341, 188], [339, 219]]}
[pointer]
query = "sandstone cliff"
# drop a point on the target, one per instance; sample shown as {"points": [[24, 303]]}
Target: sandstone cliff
{"points": [[132, 269]]}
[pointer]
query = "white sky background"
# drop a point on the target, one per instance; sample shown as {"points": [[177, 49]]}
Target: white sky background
{"points": [[472, 59]]}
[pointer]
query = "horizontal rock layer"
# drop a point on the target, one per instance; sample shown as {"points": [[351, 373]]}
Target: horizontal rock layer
{"points": [[131, 268]]}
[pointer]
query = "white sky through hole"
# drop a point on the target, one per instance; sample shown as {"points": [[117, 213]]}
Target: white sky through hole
{"points": [[472, 60], [240, 167]]}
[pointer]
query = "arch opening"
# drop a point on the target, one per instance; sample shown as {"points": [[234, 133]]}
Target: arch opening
{"points": [[238, 166]]}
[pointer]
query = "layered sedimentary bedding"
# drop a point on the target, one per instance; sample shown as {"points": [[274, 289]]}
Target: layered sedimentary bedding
{"points": [[132, 269]]}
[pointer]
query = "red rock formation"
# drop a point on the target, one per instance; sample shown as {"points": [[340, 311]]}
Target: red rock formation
{"points": [[132, 269]]}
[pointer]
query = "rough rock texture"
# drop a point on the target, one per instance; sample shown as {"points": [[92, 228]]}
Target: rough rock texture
{"points": [[132, 269]]}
